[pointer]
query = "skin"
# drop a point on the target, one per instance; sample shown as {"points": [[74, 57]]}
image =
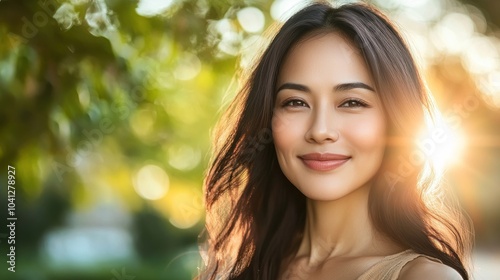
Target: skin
{"points": [[326, 103]]}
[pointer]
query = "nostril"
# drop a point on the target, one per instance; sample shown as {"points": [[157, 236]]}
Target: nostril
{"points": [[324, 135]]}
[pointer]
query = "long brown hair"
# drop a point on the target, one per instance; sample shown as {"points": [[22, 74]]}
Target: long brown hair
{"points": [[255, 216]]}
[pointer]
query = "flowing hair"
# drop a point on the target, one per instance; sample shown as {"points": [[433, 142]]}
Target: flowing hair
{"points": [[255, 217]]}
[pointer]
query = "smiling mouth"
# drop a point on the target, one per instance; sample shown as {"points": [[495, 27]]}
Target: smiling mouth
{"points": [[324, 162]]}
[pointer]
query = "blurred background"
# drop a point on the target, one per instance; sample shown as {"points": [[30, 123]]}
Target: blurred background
{"points": [[106, 108]]}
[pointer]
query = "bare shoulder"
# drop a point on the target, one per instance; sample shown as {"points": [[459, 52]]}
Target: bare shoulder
{"points": [[424, 268]]}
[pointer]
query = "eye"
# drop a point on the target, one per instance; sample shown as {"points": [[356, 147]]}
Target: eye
{"points": [[294, 103], [353, 103]]}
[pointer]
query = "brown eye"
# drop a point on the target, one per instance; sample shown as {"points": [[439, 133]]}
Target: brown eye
{"points": [[294, 103], [353, 103]]}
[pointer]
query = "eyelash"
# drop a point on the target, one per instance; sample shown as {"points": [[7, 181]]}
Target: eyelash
{"points": [[287, 103], [358, 103]]}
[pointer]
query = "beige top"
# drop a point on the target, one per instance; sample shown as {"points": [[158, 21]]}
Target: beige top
{"points": [[390, 266]]}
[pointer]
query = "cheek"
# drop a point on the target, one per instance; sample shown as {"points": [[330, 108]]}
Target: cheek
{"points": [[286, 132], [280, 135], [368, 134]]}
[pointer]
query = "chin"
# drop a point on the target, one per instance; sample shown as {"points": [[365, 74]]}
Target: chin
{"points": [[331, 191]]}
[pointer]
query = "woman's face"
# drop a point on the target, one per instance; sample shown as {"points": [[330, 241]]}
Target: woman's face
{"points": [[328, 125]]}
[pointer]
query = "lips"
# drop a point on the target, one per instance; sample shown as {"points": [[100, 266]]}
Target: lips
{"points": [[323, 162]]}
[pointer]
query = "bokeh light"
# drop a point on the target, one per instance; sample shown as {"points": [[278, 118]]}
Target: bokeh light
{"points": [[184, 209], [188, 67], [183, 157], [142, 122], [281, 10], [251, 19], [151, 8], [445, 37], [151, 182]]}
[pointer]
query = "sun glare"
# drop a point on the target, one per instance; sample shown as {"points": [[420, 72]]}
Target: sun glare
{"points": [[442, 146]]}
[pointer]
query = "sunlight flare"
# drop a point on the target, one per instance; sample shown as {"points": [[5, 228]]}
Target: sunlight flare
{"points": [[442, 145]]}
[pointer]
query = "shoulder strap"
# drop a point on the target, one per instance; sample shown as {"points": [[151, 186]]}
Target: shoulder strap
{"points": [[389, 267]]}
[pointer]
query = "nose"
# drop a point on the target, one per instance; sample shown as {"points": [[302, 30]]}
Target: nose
{"points": [[323, 128]]}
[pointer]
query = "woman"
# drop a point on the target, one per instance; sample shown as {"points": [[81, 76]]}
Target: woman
{"points": [[310, 175]]}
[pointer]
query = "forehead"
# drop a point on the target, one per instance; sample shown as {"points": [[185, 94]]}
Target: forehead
{"points": [[326, 57]]}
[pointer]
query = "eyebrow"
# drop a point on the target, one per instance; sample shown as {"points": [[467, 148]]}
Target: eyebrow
{"points": [[339, 87]]}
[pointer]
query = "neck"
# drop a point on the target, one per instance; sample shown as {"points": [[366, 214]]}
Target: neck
{"points": [[341, 228]]}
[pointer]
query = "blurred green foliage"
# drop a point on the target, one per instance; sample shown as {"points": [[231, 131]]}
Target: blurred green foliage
{"points": [[88, 96]]}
